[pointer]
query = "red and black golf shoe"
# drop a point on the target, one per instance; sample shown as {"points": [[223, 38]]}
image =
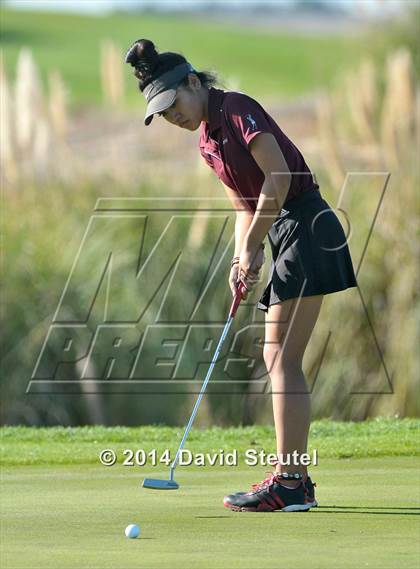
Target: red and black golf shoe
{"points": [[310, 492], [271, 495]]}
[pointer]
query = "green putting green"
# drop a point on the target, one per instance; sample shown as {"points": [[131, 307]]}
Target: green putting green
{"points": [[73, 515]]}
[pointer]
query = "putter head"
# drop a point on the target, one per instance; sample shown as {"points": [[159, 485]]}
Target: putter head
{"points": [[157, 484]]}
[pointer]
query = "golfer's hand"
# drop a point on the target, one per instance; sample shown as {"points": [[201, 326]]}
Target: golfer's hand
{"points": [[234, 279], [259, 260], [250, 262]]}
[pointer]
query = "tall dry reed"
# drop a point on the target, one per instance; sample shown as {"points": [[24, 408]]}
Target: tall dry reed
{"points": [[112, 76], [29, 100], [329, 141], [7, 143], [34, 125], [58, 106], [399, 107]]}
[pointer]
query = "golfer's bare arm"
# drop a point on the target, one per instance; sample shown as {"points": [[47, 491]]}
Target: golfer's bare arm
{"points": [[277, 179], [243, 218]]}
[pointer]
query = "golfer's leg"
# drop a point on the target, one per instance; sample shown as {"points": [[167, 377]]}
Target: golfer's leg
{"points": [[288, 328]]}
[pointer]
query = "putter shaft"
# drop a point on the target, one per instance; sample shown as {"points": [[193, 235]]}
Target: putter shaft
{"points": [[232, 313]]}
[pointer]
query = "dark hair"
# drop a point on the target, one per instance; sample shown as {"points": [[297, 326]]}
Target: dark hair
{"points": [[149, 64]]}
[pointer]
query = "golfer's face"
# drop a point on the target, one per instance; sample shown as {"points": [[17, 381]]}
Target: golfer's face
{"points": [[185, 111]]}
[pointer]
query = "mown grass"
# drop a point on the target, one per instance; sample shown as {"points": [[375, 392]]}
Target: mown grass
{"points": [[62, 508], [71, 516], [82, 445], [267, 62]]}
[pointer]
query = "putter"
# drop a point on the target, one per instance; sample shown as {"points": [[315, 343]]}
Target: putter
{"points": [[171, 484]]}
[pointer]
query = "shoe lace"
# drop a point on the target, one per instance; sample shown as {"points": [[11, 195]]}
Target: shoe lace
{"points": [[266, 482]]}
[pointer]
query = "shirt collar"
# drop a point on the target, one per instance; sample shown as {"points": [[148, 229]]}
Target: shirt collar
{"points": [[215, 102]]}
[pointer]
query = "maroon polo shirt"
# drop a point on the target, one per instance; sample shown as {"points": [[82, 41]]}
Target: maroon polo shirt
{"points": [[234, 120]]}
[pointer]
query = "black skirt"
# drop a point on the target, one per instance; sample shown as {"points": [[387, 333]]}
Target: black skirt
{"points": [[310, 252]]}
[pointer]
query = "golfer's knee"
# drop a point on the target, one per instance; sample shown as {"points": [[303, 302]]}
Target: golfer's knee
{"points": [[276, 357], [270, 354]]}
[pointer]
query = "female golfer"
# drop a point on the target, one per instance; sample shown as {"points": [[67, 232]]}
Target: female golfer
{"points": [[273, 192]]}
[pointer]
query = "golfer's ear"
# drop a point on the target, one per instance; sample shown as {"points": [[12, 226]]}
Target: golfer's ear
{"points": [[194, 81]]}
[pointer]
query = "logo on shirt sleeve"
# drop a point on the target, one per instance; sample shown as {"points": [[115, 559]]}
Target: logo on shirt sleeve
{"points": [[251, 120]]}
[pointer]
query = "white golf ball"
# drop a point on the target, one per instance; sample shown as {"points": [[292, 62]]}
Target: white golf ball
{"points": [[132, 531]]}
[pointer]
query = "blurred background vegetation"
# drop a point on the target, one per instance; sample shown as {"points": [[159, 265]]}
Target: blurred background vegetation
{"points": [[72, 131]]}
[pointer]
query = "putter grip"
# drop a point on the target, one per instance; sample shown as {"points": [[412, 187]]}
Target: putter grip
{"points": [[236, 300]]}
